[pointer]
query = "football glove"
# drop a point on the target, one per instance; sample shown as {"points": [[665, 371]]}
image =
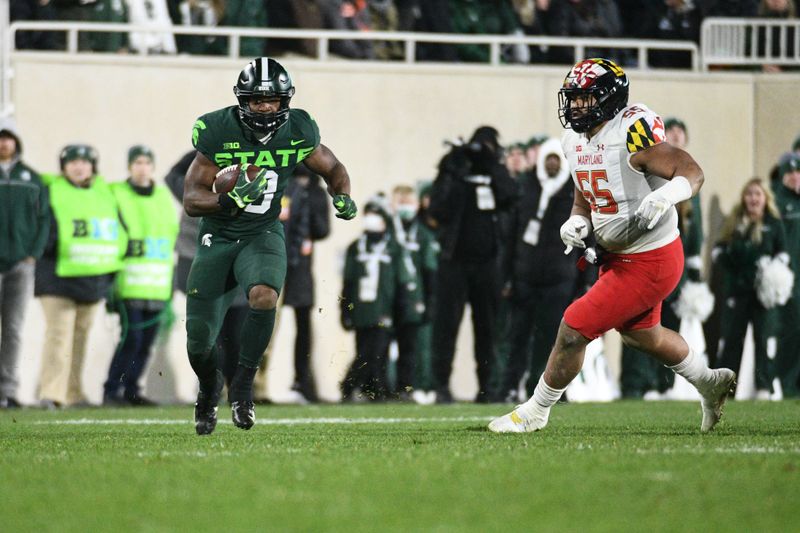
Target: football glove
{"points": [[246, 192], [345, 206], [658, 202], [573, 231]]}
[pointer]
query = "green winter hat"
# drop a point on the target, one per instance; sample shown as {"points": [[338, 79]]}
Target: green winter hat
{"points": [[424, 188], [536, 140], [791, 163], [796, 145], [137, 150], [78, 151], [671, 122]]}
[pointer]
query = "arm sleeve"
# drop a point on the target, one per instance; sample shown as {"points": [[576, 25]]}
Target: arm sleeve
{"points": [[43, 223]]}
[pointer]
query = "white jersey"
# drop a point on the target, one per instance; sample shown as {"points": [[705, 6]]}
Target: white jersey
{"points": [[601, 170]]}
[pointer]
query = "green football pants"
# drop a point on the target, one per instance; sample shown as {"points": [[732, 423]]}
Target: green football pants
{"points": [[216, 272]]}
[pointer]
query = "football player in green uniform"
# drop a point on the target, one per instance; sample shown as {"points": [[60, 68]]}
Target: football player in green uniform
{"points": [[241, 239]]}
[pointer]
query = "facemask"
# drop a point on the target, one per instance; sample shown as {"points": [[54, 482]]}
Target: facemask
{"points": [[374, 223], [406, 211]]}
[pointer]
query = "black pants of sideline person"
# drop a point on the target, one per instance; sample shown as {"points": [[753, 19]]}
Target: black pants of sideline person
{"points": [[368, 371], [459, 283], [130, 358], [535, 316], [407, 341], [303, 372]]}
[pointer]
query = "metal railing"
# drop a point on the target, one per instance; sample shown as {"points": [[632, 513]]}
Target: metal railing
{"points": [[750, 42], [323, 38]]}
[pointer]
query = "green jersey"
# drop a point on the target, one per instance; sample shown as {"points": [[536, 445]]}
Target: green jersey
{"points": [[223, 139]]}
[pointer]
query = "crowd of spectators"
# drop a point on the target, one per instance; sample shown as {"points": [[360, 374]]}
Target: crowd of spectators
{"points": [[484, 232], [658, 19]]}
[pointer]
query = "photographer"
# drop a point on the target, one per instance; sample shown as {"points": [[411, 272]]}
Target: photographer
{"points": [[471, 188]]}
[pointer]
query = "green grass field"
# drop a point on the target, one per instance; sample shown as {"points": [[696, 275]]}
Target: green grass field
{"points": [[627, 466]]}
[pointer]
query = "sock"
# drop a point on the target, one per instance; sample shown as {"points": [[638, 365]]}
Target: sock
{"points": [[544, 396], [693, 369], [205, 366], [256, 333], [242, 384]]}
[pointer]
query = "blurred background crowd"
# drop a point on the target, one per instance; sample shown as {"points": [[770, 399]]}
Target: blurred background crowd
{"points": [[658, 19], [484, 233]]}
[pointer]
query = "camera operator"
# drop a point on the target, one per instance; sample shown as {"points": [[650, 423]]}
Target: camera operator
{"points": [[471, 188]]}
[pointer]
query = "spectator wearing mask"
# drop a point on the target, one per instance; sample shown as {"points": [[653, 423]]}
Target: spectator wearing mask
{"points": [[375, 277], [24, 227], [84, 249], [143, 288], [753, 231], [787, 198], [413, 311], [472, 186], [540, 280], [305, 215]]}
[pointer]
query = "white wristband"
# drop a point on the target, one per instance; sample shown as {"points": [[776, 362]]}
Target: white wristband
{"points": [[676, 190]]}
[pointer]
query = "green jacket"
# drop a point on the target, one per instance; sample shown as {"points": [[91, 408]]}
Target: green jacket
{"points": [[109, 11], [421, 256], [24, 215], [739, 256], [789, 206], [374, 274], [487, 17]]}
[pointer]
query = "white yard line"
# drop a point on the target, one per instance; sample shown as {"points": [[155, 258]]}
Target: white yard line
{"points": [[262, 421]]}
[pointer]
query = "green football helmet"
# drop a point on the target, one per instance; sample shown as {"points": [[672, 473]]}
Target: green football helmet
{"points": [[264, 76]]}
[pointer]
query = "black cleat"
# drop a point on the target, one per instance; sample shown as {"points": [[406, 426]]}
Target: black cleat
{"points": [[205, 409], [243, 414]]}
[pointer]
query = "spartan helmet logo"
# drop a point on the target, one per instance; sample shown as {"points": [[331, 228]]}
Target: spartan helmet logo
{"points": [[206, 240]]}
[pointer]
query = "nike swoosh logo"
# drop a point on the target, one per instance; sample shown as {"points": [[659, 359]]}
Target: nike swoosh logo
{"points": [[295, 143]]}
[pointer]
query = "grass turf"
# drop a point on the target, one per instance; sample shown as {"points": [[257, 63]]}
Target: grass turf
{"points": [[597, 467]]}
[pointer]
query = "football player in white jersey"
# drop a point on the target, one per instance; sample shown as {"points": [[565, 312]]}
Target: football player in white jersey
{"points": [[627, 181]]}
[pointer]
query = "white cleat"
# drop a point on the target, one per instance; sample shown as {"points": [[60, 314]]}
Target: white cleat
{"points": [[518, 422], [714, 397]]}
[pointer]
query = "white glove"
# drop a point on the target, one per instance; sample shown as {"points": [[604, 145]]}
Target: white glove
{"points": [[651, 210], [658, 202], [573, 231]]}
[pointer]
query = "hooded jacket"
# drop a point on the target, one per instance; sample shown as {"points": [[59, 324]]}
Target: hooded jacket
{"points": [[24, 216], [535, 255]]}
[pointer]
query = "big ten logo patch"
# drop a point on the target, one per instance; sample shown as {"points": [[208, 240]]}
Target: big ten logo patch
{"points": [[154, 248], [101, 229]]}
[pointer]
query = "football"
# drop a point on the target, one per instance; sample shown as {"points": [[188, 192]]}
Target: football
{"points": [[225, 179]]}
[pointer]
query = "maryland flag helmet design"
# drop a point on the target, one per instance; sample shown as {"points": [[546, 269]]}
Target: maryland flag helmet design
{"points": [[599, 78]]}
